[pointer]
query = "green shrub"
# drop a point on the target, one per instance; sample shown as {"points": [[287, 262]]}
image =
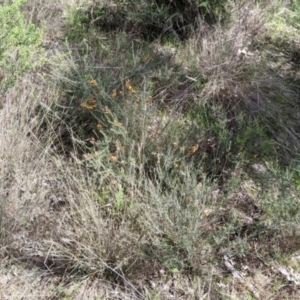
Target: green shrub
{"points": [[296, 16], [254, 140], [96, 99], [20, 41], [147, 19]]}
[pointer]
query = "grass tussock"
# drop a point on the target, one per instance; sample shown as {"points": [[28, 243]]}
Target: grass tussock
{"points": [[150, 164]]}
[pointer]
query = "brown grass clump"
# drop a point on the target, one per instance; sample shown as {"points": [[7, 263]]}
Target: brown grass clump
{"points": [[50, 218], [237, 75]]}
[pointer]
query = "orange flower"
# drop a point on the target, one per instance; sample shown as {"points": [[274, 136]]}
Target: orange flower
{"points": [[92, 100]]}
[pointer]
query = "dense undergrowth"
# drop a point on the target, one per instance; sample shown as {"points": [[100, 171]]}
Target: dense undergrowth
{"points": [[153, 146]]}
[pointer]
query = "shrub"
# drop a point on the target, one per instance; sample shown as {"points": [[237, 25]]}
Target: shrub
{"points": [[157, 156], [148, 19], [20, 41]]}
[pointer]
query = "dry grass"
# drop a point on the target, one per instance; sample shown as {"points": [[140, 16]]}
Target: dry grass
{"points": [[239, 74], [50, 218], [79, 226]]}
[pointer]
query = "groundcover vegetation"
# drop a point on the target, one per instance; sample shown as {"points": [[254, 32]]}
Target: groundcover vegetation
{"points": [[149, 149]]}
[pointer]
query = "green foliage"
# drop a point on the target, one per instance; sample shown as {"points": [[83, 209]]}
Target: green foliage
{"points": [[280, 197], [214, 8], [147, 19], [254, 140], [173, 220], [217, 137], [296, 16], [283, 29], [20, 41], [77, 28]]}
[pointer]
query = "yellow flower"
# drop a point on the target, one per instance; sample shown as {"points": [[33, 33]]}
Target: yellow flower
{"points": [[99, 126], [114, 93], [116, 123], [127, 84], [176, 165], [89, 107], [105, 110], [193, 149], [93, 82], [207, 212], [113, 158], [87, 156], [129, 87], [132, 90], [92, 140], [121, 93]]}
